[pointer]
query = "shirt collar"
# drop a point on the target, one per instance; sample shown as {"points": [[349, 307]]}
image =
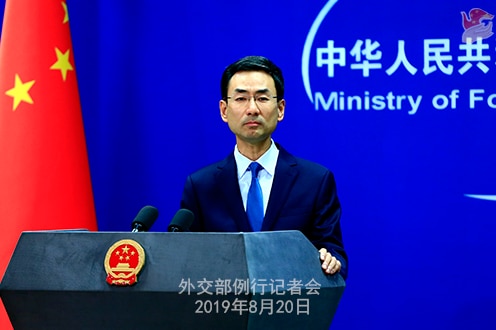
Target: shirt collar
{"points": [[268, 160]]}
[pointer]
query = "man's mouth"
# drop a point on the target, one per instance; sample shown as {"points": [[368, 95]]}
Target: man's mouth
{"points": [[252, 123]]}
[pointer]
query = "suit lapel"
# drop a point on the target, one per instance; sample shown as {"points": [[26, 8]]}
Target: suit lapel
{"points": [[284, 178], [227, 177]]}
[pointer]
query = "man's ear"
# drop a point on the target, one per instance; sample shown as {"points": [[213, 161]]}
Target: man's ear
{"points": [[223, 110], [281, 107]]}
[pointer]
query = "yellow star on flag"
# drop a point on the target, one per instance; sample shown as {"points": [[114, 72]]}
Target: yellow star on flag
{"points": [[66, 13], [20, 92], [62, 63]]}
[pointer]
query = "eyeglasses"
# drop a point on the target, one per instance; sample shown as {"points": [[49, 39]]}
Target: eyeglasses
{"points": [[241, 101]]}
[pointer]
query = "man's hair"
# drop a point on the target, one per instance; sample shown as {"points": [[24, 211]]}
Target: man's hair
{"points": [[253, 63]]}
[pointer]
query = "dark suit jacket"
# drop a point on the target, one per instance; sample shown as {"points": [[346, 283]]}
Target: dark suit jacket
{"points": [[303, 197]]}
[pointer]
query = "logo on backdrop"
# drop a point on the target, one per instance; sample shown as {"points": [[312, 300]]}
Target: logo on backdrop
{"points": [[375, 63], [477, 24], [365, 68]]}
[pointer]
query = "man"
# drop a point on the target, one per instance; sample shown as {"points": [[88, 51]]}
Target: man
{"points": [[293, 194]]}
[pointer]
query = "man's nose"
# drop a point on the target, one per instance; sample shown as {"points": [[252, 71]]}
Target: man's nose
{"points": [[252, 107]]}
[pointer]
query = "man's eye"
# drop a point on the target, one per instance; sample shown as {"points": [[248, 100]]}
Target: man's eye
{"points": [[240, 99], [263, 99]]}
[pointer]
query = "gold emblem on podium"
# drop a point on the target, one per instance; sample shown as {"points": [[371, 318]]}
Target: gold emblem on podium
{"points": [[123, 262]]}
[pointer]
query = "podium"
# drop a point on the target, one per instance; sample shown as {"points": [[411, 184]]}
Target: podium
{"points": [[265, 280]]}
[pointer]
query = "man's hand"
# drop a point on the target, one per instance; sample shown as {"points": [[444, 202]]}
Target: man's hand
{"points": [[330, 264]]}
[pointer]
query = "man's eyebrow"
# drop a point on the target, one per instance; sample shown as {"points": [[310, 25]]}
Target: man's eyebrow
{"points": [[240, 90], [260, 91]]}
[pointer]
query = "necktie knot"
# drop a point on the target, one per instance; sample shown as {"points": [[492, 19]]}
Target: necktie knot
{"points": [[254, 169]]}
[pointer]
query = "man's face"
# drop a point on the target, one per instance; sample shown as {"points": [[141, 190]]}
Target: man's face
{"points": [[252, 110]]}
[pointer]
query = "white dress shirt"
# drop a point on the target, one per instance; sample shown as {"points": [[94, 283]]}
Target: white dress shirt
{"points": [[265, 176]]}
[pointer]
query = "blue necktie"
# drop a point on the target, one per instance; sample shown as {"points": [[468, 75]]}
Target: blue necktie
{"points": [[254, 204]]}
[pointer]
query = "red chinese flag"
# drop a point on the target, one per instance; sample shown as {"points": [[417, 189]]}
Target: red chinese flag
{"points": [[44, 173]]}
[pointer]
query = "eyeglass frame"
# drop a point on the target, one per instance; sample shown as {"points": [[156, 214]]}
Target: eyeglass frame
{"points": [[250, 97]]}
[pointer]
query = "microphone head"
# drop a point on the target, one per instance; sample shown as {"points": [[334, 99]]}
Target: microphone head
{"points": [[145, 219], [181, 221]]}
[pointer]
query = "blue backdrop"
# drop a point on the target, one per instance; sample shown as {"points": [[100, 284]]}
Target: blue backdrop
{"points": [[390, 96]]}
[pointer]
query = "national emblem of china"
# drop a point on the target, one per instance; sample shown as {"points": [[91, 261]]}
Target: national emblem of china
{"points": [[123, 262]]}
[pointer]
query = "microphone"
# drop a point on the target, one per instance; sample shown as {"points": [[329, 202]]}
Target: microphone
{"points": [[144, 219], [182, 221]]}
